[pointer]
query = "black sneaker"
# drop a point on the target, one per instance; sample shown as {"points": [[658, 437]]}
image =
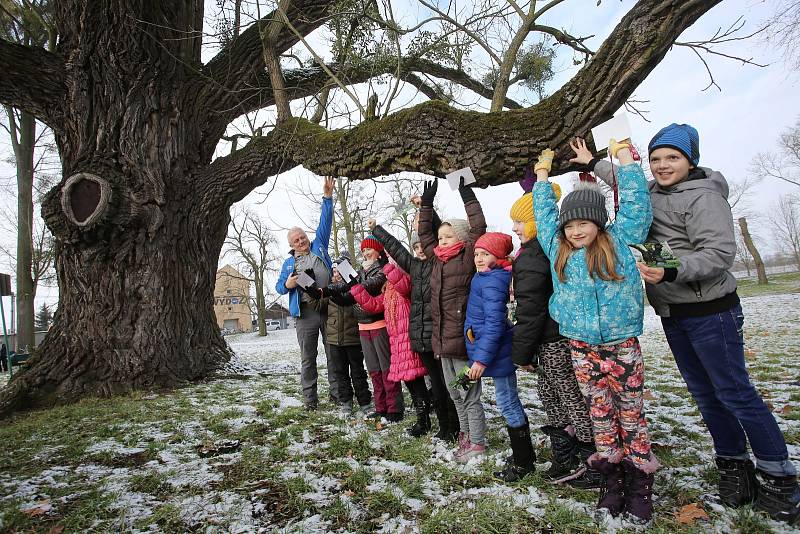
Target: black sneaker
{"points": [[737, 481], [779, 497]]}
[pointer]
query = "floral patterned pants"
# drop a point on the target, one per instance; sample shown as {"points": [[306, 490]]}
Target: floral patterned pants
{"points": [[611, 377]]}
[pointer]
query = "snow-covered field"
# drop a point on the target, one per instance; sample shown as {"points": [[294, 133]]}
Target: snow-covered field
{"points": [[242, 456]]}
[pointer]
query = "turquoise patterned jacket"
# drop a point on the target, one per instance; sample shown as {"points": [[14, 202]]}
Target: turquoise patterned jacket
{"points": [[592, 310]]}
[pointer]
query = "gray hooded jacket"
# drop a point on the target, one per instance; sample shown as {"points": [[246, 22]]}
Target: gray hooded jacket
{"points": [[694, 219]]}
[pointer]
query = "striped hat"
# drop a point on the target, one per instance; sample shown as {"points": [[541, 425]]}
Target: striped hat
{"points": [[586, 201], [371, 242], [682, 138]]}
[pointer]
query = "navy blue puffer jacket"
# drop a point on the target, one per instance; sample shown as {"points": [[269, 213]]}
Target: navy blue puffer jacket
{"points": [[487, 317]]}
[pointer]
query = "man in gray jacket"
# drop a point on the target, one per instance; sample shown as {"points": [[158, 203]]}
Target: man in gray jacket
{"points": [[703, 320]]}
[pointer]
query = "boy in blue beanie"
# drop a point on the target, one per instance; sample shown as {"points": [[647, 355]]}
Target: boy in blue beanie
{"points": [[703, 320]]}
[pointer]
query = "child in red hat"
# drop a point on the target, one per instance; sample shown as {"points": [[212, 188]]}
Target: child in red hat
{"points": [[489, 334]]}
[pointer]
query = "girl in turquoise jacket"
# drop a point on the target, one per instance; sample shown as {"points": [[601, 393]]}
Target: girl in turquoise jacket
{"points": [[598, 302]]}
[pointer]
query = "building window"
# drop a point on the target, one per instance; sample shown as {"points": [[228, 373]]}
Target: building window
{"points": [[228, 291]]}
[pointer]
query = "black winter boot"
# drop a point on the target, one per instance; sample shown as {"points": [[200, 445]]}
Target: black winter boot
{"points": [[779, 497], [523, 456], [448, 431], [737, 482], [638, 493], [590, 478], [423, 423], [564, 463], [612, 490]]}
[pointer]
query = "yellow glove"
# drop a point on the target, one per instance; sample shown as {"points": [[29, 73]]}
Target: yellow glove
{"points": [[615, 146], [545, 161]]}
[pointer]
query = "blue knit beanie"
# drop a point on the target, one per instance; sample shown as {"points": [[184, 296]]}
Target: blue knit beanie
{"points": [[682, 138]]}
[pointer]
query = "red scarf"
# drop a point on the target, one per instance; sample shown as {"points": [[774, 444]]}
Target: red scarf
{"points": [[446, 254], [501, 263]]}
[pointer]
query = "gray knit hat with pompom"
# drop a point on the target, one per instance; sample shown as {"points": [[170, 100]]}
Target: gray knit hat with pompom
{"points": [[586, 201]]}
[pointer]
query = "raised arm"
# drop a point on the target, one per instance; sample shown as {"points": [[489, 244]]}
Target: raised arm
{"points": [[635, 215], [545, 208], [323, 234], [427, 232], [477, 222], [394, 247]]}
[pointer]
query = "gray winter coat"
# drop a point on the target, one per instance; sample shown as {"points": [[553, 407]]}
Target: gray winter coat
{"points": [[694, 219]]}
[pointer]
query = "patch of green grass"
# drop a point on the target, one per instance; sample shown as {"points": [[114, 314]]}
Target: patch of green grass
{"points": [[252, 466], [384, 502], [747, 521], [168, 518], [486, 514], [562, 518], [357, 482], [778, 283], [151, 482]]}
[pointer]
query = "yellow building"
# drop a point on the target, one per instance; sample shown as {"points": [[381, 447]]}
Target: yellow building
{"points": [[231, 297]]}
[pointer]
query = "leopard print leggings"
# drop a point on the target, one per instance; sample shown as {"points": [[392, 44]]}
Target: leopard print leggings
{"points": [[559, 391]]}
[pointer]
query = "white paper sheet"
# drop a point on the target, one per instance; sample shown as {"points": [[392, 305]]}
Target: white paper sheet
{"points": [[346, 270], [454, 178], [304, 281], [615, 128]]}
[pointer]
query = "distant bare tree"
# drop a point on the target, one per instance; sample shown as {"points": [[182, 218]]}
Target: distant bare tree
{"points": [[785, 219], [783, 30], [784, 163], [249, 238]]}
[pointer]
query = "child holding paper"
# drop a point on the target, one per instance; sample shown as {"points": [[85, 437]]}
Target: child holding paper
{"points": [[387, 394], [598, 304], [452, 272], [703, 320]]}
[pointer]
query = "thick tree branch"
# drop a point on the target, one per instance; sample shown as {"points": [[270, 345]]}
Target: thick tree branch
{"points": [[435, 139], [33, 80], [234, 73]]}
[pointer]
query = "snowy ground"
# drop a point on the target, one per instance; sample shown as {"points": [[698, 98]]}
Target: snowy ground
{"points": [[242, 456]]}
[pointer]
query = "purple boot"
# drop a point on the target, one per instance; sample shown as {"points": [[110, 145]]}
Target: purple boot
{"points": [[638, 493], [612, 489]]}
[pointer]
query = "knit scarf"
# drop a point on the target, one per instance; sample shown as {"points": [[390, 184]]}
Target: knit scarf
{"points": [[500, 263], [446, 254]]}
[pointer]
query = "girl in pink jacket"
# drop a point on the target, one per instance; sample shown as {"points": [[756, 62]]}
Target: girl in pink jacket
{"points": [[405, 364]]}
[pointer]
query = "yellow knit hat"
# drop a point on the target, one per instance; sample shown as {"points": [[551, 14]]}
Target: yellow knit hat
{"points": [[522, 210]]}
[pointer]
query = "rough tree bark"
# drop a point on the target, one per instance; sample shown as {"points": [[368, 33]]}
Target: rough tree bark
{"points": [[751, 247], [141, 214]]}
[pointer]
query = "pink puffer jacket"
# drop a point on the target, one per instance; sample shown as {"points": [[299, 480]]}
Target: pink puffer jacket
{"points": [[405, 365]]}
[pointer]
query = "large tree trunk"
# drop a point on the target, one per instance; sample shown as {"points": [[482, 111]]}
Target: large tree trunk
{"points": [[136, 251], [751, 247]]}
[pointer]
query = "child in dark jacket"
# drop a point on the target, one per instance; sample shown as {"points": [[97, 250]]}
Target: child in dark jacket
{"points": [[420, 328], [341, 329], [703, 320], [598, 303], [538, 346], [450, 279], [489, 333]]}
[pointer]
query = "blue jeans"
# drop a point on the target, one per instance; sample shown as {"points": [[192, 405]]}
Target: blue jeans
{"points": [[505, 389], [709, 351]]}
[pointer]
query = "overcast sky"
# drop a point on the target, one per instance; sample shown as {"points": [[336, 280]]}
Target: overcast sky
{"points": [[753, 107]]}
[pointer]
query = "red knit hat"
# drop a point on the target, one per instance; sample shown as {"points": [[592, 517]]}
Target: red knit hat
{"points": [[497, 244], [371, 242]]}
